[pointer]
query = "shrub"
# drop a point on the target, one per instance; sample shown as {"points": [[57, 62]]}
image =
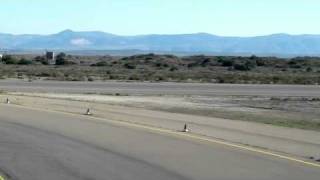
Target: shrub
{"points": [[191, 65], [260, 63], [61, 60], [241, 67], [292, 62], [165, 65], [8, 59], [251, 64], [253, 57], [129, 66], [173, 68], [205, 62], [309, 69], [134, 77], [227, 63], [158, 64], [24, 62], [41, 59], [90, 79], [296, 66], [101, 63]]}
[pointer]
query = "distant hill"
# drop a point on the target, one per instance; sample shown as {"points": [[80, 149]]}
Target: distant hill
{"points": [[200, 43]]}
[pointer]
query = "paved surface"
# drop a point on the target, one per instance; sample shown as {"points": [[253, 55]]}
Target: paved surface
{"points": [[42, 145], [159, 88], [297, 142]]}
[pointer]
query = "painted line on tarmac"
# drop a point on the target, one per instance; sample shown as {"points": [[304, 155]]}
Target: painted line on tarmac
{"points": [[181, 134], [211, 140], [2, 178]]}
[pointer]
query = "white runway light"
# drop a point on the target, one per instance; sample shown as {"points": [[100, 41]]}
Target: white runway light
{"points": [[185, 128], [88, 112]]}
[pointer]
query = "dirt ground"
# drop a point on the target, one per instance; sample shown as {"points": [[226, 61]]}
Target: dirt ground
{"points": [[296, 112]]}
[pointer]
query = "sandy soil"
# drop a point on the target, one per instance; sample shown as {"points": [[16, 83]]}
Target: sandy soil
{"points": [[297, 112]]}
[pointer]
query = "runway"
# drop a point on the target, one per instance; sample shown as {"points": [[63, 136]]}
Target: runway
{"points": [[38, 145], [147, 88]]}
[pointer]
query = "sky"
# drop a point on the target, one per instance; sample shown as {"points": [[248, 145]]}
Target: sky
{"points": [[136, 17]]}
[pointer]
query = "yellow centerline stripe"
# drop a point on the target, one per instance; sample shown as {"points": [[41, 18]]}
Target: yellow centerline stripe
{"points": [[256, 150], [182, 134], [1, 178]]}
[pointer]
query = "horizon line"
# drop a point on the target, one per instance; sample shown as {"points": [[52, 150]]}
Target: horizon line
{"points": [[164, 34]]}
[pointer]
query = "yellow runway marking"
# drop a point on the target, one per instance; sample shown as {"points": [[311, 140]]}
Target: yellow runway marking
{"points": [[2, 178], [195, 137], [191, 136]]}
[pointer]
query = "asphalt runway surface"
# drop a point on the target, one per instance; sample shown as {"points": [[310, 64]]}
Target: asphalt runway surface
{"points": [[145, 88], [39, 145]]}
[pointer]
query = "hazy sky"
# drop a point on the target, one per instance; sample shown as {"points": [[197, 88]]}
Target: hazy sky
{"points": [[131, 17]]}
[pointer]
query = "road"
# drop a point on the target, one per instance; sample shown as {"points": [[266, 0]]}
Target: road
{"points": [[38, 145], [141, 88]]}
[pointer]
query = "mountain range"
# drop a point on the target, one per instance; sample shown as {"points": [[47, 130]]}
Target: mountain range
{"points": [[199, 43]]}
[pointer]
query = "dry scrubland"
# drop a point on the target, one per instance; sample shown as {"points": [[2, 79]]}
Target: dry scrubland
{"points": [[151, 67]]}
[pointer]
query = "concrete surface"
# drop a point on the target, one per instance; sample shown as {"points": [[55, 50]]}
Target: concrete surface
{"points": [[141, 88], [298, 142], [37, 145]]}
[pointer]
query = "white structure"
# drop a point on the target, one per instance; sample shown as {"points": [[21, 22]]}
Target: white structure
{"points": [[50, 56], [1, 56]]}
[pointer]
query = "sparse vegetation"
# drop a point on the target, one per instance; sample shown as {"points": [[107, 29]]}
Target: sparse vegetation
{"points": [[8, 59], [24, 62], [152, 67]]}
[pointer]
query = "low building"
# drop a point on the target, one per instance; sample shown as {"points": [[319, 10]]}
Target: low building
{"points": [[50, 56], [1, 56]]}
